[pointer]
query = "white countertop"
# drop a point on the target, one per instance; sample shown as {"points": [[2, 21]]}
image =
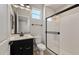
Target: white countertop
{"points": [[18, 37]]}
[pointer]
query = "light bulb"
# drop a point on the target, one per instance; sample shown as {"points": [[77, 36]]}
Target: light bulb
{"points": [[22, 4], [28, 6], [16, 6]]}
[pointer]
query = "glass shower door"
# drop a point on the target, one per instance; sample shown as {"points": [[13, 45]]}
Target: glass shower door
{"points": [[52, 30]]}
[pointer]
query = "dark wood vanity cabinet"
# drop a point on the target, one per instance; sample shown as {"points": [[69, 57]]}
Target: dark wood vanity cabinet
{"points": [[21, 47]]}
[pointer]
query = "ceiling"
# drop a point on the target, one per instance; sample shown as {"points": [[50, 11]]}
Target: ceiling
{"points": [[56, 7]]}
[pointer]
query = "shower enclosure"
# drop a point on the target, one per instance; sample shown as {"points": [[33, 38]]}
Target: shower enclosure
{"points": [[62, 31]]}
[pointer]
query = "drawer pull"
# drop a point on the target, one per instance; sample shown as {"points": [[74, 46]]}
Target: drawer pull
{"points": [[20, 48]]}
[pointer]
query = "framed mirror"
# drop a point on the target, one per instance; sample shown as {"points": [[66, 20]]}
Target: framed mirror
{"points": [[12, 19]]}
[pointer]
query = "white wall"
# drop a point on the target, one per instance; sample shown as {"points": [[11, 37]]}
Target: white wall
{"points": [[48, 11], [37, 30], [3, 22], [4, 29], [4, 47]]}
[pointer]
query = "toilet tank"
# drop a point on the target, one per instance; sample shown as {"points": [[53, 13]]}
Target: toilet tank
{"points": [[38, 39]]}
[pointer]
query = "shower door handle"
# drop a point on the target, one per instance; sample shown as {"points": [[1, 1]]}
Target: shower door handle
{"points": [[53, 32]]}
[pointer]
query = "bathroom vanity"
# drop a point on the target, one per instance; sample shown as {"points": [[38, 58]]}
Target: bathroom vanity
{"points": [[21, 45]]}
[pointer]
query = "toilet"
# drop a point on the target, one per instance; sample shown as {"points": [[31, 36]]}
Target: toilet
{"points": [[40, 45]]}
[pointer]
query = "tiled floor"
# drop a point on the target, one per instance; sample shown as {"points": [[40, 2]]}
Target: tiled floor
{"points": [[37, 53]]}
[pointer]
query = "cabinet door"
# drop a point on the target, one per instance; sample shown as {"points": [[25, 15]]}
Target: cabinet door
{"points": [[24, 47], [28, 47]]}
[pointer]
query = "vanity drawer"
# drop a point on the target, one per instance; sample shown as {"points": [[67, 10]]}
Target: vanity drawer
{"points": [[22, 47]]}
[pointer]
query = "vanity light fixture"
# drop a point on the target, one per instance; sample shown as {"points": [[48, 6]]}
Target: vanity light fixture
{"points": [[22, 4], [16, 6], [27, 6]]}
